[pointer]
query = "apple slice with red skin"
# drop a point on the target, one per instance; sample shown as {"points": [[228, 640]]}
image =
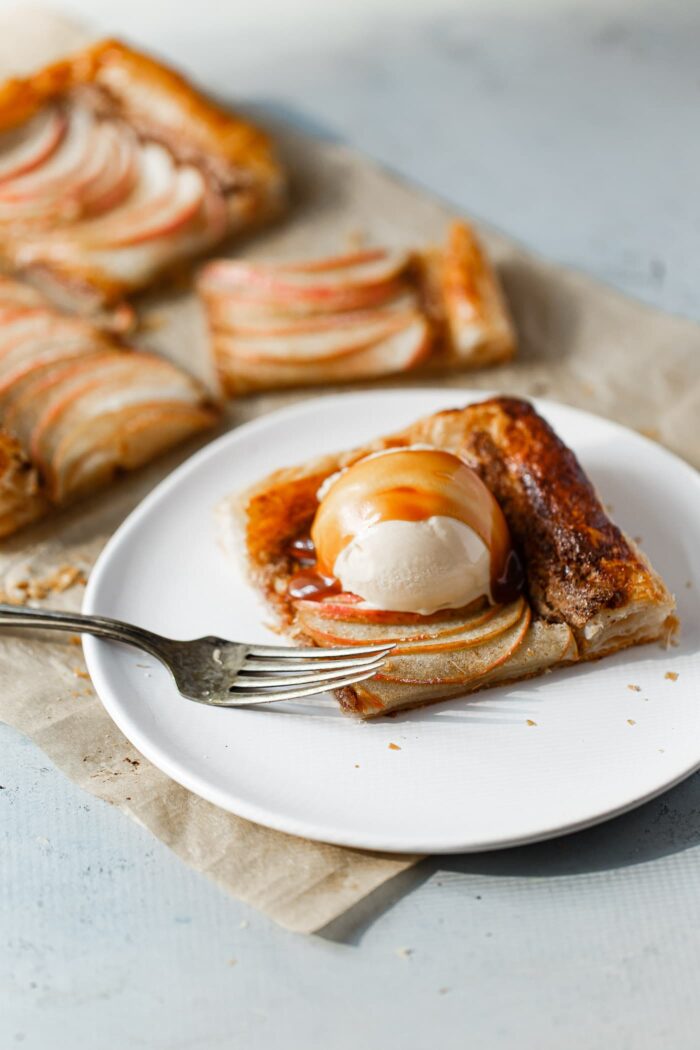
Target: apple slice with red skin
{"points": [[26, 147], [315, 277], [38, 355], [460, 633], [137, 262], [246, 302], [351, 608], [92, 391], [223, 315], [455, 666], [306, 348], [31, 398], [397, 353], [48, 188], [346, 627], [115, 170], [98, 448], [321, 287], [544, 645], [165, 198]]}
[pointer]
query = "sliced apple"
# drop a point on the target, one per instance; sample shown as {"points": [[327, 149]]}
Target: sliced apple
{"points": [[318, 287], [134, 380], [28, 146], [225, 314], [545, 645], [31, 398], [32, 357], [161, 215], [398, 352], [320, 345], [50, 188], [351, 608], [462, 632], [315, 278], [114, 169], [93, 451], [455, 666]]}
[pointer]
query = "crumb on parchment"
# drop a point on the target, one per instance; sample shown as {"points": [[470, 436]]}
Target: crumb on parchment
{"points": [[394, 747], [529, 722], [631, 722], [635, 688], [672, 676]]}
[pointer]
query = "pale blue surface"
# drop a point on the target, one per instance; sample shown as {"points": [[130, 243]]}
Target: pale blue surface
{"points": [[577, 133]]}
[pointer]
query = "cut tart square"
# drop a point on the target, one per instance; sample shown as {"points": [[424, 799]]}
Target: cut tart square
{"points": [[78, 407], [362, 315], [472, 539], [113, 169]]}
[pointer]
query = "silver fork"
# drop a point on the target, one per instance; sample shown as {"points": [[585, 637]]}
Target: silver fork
{"points": [[218, 672]]}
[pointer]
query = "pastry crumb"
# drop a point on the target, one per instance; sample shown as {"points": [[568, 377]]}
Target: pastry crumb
{"points": [[688, 584], [635, 688], [404, 953], [357, 765], [232, 962], [443, 991], [79, 673], [672, 676], [638, 539], [394, 747], [631, 722], [529, 722]]}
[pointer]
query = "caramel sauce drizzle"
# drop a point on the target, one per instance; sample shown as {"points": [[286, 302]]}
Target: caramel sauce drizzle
{"points": [[384, 489]]}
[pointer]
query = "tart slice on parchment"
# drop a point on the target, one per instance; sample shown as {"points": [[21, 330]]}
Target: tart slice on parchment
{"points": [[362, 315], [113, 169], [473, 540], [78, 407]]}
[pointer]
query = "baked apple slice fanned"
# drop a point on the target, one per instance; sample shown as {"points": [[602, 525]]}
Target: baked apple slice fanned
{"points": [[113, 169], [362, 315], [77, 407], [472, 540]]}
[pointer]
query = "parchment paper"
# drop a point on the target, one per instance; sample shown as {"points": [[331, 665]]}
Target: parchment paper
{"points": [[579, 342]]}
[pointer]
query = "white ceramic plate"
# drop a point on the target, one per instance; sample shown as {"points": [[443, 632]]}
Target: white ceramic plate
{"points": [[469, 775]]}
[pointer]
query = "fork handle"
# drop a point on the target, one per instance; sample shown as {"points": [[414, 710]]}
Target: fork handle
{"points": [[77, 623]]}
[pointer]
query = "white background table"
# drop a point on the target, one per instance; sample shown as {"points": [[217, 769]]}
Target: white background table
{"points": [[573, 127]]}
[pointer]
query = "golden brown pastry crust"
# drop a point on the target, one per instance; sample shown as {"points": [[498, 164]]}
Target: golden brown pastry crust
{"points": [[478, 327], [591, 590], [21, 497], [161, 106]]}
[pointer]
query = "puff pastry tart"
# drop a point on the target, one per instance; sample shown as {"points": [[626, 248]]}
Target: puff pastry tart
{"points": [[472, 539], [77, 407], [359, 316], [113, 169]]}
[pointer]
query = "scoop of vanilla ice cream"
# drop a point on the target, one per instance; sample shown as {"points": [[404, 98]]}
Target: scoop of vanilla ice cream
{"points": [[416, 566]]}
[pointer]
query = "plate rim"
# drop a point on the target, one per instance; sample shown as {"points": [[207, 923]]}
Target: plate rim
{"points": [[196, 782]]}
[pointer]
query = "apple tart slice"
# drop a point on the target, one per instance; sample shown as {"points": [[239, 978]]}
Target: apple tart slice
{"points": [[77, 407], [473, 540], [362, 315], [113, 169]]}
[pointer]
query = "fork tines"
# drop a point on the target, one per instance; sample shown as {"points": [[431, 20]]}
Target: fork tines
{"points": [[272, 673]]}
